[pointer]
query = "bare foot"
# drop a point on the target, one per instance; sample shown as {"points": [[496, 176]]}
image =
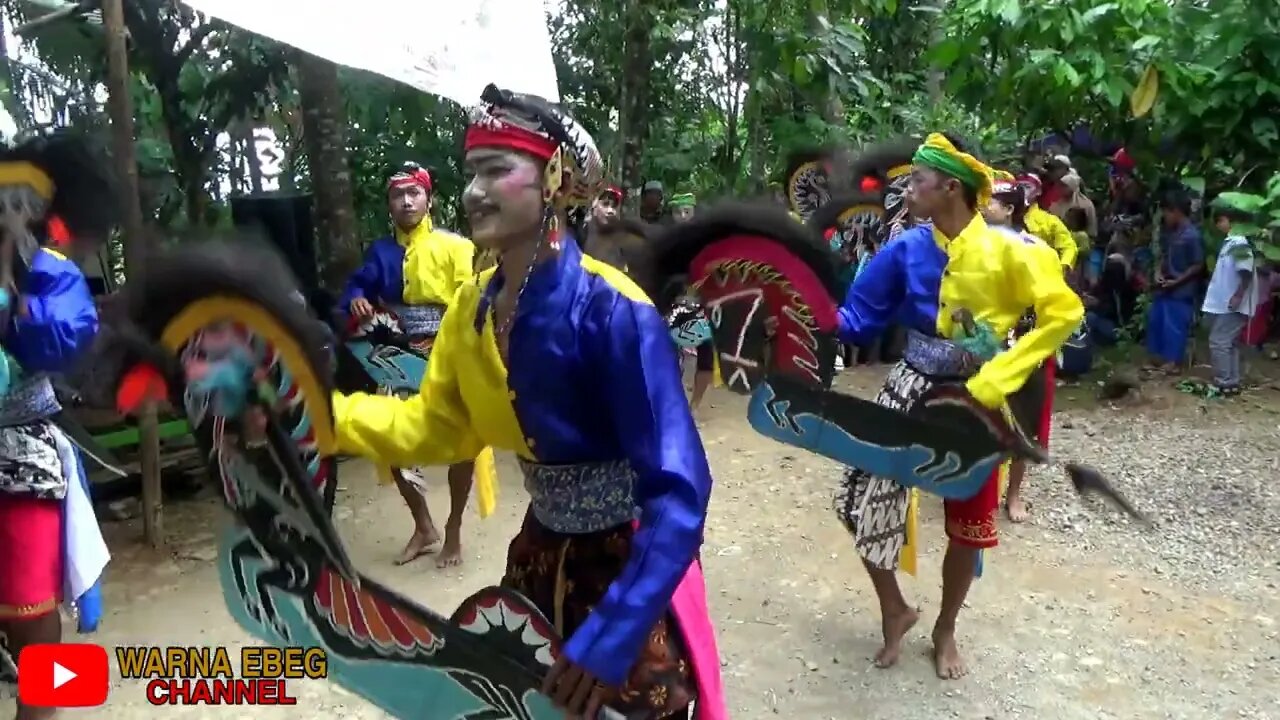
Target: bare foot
{"points": [[420, 544], [451, 552], [1017, 510], [895, 628], [946, 656]]}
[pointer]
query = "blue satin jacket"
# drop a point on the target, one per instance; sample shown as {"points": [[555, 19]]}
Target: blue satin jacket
{"points": [[593, 377]]}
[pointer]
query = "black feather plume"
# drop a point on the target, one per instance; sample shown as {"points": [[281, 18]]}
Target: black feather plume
{"points": [[85, 190]]}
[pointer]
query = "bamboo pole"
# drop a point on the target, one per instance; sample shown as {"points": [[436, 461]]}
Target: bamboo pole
{"points": [[120, 108]]}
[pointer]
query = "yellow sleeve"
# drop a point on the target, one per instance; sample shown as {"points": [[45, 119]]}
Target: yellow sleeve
{"points": [[430, 428], [1036, 282], [1049, 228], [1064, 243], [463, 258]]}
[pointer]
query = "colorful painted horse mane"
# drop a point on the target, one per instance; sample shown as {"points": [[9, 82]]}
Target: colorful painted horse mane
{"points": [[286, 577]]}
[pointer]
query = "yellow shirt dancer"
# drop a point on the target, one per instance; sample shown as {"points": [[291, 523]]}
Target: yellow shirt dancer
{"points": [[563, 360], [414, 273], [1047, 226], [1009, 208], [924, 279]]}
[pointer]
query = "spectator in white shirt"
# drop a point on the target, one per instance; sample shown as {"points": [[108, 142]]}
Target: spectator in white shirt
{"points": [[1229, 302]]}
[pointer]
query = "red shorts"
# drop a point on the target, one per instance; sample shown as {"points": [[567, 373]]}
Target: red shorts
{"points": [[1046, 410], [972, 522], [30, 556]]}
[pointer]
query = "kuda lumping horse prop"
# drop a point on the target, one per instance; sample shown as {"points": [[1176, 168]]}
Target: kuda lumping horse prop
{"points": [[885, 169], [813, 176], [390, 352], [853, 225], [767, 284], [204, 311]]}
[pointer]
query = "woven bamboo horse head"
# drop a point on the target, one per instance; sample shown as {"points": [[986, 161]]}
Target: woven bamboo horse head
{"points": [[885, 168], [767, 284], [854, 224], [813, 177]]}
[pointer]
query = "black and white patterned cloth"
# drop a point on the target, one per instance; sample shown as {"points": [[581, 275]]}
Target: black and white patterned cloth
{"points": [[872, 508], [29, 462]]}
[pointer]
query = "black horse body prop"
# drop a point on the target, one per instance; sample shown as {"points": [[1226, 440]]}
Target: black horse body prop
{"points": [[768, 284]]}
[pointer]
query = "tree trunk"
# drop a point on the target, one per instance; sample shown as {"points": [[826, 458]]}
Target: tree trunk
{"points": [[324, 129], [120, 107], [933, 81], [636, 69]]}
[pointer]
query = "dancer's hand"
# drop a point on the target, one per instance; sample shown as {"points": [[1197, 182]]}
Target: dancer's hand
{"points": [[574, 689], [361, 308]]}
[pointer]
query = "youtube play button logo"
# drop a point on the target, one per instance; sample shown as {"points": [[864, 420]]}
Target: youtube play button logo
{"points": [[63, 675]]}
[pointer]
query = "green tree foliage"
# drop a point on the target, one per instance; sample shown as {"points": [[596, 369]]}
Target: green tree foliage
{"points": [[710, 96], [1037, 65]]}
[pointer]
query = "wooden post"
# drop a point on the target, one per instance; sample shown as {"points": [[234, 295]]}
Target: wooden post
{"points": [[120, 108]]}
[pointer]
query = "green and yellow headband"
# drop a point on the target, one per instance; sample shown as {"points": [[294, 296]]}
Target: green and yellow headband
{"points": [[683, 200], [938, 153]]}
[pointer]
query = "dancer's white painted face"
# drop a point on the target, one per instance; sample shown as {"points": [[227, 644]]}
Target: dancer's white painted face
{"points": [[503, 197]]}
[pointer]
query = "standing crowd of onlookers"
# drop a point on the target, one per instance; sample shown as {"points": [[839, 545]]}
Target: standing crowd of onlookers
{"points": [[1142, 267], [1147, 275]]}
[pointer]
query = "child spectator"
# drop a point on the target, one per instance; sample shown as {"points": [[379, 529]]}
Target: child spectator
{"points": [[1077, 221]]}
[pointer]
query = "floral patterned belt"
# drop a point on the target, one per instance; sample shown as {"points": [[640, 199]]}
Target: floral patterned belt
{"points": [[419, 319], [29, 401], [582, 498], [937, 357]]}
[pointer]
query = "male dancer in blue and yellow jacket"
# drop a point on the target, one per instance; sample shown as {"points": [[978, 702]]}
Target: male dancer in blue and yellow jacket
{"points": [[414, 272]]}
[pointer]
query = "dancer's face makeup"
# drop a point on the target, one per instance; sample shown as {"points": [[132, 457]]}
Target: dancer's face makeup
{"points": [[503, 197]]}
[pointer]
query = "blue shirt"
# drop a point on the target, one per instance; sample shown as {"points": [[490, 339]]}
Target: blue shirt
{"points": [[899, 285], [61, 319], [1180, 248], [380, 279]]}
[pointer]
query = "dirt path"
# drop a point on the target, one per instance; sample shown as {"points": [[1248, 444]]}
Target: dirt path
{"points": [[1075, 619]]}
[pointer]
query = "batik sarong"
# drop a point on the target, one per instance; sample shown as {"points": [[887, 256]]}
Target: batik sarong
{"points": [[566, 573], [874, 509]]}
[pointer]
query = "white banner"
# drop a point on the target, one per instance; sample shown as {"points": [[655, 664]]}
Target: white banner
{"points": [[447, 48]]}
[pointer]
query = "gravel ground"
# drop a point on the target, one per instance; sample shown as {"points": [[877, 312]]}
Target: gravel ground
{"points": [[1080, 615]]}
